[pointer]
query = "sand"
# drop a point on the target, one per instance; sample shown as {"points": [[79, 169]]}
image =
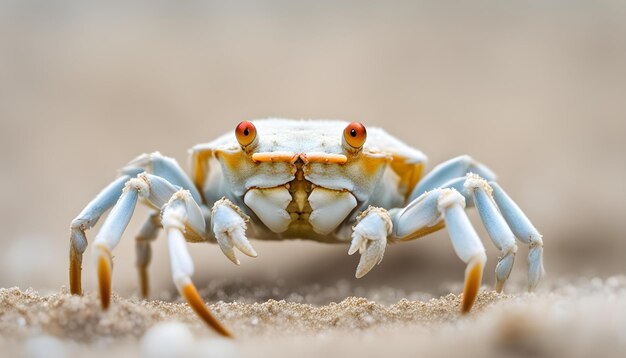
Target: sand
{"points": [[583, 317]]}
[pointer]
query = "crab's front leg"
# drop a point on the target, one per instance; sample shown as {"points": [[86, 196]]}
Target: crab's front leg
{"points": [[176, 216], [228, 225]]}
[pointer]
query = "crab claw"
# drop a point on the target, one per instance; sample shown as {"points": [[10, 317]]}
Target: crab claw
{"points": [[370, 238], [229, 227]]}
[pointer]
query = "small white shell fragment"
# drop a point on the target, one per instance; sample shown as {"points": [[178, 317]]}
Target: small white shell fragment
{"points": [[44, 346], [167, 340], [216, 348]]}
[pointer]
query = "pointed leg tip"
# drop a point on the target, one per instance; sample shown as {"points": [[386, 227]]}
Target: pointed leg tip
{"points": [[144, 282], [104, 277], [75, 273], [472, 285], [76, 292], [196, 303], [75, 289], [105, 303], [499, 286]]}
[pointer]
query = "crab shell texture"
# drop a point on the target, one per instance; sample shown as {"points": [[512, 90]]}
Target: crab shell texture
{"points": [[299, 179]]}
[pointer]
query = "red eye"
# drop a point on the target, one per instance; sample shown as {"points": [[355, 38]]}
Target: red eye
{"points": [[246, 133], [355, 135]]}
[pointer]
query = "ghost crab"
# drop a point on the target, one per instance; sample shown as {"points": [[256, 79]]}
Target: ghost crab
{"points": [[326, 181]]}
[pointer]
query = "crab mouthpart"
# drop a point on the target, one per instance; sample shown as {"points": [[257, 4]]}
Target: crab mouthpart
{"points": [[269, 205], [315, 157]]}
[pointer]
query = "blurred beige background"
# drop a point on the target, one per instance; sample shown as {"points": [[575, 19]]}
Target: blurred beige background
{"points": [[535, 89]]}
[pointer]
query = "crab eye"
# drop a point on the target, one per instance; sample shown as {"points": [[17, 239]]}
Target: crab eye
{"points": [[355, 135], [246, 133]]}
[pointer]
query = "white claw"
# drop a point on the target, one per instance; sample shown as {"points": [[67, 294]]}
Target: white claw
{"points": [[370, 239], [242, 243], [229, 227], [358, 244], [372, 256], [226, 245]]}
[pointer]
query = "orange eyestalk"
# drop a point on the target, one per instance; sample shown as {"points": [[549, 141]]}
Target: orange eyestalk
{"points": [[326, 158], [246, 133], [355, 135], [274, 157]]}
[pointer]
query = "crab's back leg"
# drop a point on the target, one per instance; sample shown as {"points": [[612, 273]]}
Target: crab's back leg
{"points": [[154, 190], [86, 220], [169, 169], [427, 212], [154, 163], [505, 222], [501, 216], [143, 240], [454, 168], [524, 231], [181, 216], [165, 167], [159, 191]]}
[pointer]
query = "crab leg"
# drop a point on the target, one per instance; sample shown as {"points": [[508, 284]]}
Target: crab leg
{"points": [[154, 163], [180, 214], [156, 191], [165, 167], [146, 235], [424, 215], [449, 170], [496, 226], [524, 231], [504, 221], [168, 169], [502, 218], [86, 220], [175, 216]]}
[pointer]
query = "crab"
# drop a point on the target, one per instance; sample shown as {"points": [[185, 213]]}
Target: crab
{"points": [[327, 181]]}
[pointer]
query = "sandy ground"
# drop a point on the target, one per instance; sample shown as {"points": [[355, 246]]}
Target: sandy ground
{"points": [[585, 317], [534, 89]]}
